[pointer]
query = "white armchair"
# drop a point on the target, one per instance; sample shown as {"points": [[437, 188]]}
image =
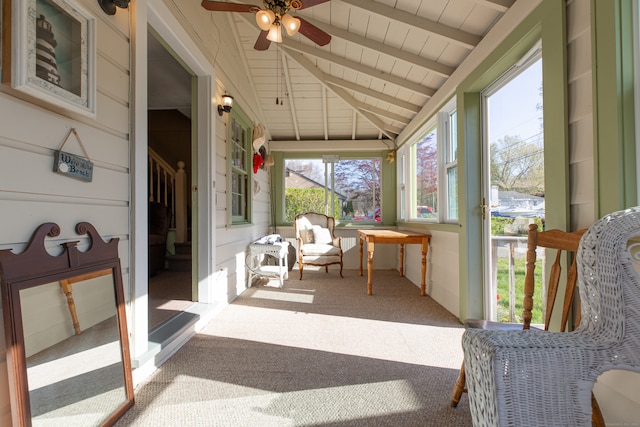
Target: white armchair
{"points": [[528, 378], [316, 242]]}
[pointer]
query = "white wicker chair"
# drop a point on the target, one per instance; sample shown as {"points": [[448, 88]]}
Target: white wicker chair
{"points": [[527, 378]]}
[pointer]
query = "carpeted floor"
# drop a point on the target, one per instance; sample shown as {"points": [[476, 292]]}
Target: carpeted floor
{"points": [[319, 352], [169, 294]]}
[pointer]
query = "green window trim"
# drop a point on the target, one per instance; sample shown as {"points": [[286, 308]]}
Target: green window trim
{"points": [[614, 126], [388, 188], [547, 23], [239, 167]]}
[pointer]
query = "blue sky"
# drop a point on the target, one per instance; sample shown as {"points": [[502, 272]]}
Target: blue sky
{"points": [[513, 109]]}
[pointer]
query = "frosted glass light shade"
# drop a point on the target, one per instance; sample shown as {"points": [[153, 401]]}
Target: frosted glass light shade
{"points": [[275, 34], [291, 24], [264, 19]]}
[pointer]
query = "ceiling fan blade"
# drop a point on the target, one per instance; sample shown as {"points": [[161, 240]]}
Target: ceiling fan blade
{"points": [[309, 3], [262, 43], [313, 33], [219, 6]]}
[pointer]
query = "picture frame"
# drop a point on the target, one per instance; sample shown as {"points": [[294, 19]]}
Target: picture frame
{"points": [[54, 53]]}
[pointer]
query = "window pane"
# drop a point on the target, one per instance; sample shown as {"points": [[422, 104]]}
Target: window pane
{"points": [[238, 191], [304, 187], [452, 152], [426, 192], [356, 195], [238, 164], [358, 189], [452, 193]]}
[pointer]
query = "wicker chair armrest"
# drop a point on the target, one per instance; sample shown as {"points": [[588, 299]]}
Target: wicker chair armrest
{"points": [[547, 370]]}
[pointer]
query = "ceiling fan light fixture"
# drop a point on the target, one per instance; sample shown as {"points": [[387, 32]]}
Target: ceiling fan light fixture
{"points": [[264, 19], [275, 34], [291, 24]]}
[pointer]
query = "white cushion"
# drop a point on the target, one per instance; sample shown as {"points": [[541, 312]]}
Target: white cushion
{"points": [[319, 249], [322, 235]]}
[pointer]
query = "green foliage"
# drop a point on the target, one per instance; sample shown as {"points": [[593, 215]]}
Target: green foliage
{"points": [[301, 200]]}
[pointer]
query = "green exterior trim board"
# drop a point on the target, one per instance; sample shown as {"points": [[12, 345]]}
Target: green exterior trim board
{"points": [[613, 106], [546, 23]]}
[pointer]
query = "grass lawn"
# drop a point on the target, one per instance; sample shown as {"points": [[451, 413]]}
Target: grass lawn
{"points": [[503, 290]]}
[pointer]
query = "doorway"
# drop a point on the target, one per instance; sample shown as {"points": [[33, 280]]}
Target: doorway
{"points": [[513, 183], [171, 170]]}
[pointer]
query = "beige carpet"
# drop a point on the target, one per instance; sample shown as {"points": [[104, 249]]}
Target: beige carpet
{"points": [[319, 352]]}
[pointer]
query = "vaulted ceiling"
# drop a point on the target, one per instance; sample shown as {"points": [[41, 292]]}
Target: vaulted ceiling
{"points": [[385, 60]]}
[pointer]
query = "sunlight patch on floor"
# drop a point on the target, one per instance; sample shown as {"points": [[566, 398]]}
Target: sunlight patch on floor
{"points": [[324, 405], [283, 296], [429, 345]]}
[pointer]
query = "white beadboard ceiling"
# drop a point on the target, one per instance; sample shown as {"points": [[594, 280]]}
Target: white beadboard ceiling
{"points": [[385, 60]]}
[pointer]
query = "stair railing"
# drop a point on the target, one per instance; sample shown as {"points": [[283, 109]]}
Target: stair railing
{"points": [[169, 186]]}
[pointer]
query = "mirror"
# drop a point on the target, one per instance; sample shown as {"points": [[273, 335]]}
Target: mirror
{"points": [[65, 326]]}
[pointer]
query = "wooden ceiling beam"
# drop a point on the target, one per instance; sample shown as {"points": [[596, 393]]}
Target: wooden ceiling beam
{"points": [[394, 52], [461, 38], [341, 93], [356, 66], [335, 81], [294, 117], [499, 5]]}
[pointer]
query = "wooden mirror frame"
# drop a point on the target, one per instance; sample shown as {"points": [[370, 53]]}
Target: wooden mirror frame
{"points": [[34, 267]]}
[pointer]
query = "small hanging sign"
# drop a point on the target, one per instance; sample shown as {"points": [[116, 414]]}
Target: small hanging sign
{"points": [[71, 165]]}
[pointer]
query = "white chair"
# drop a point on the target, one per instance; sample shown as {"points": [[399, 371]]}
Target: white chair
{"points": [[316, 242], [544, 379]]}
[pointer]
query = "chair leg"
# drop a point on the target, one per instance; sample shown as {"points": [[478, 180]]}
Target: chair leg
{"points": [[458, 389], [300, 266], [326, 268], [597, 419], [341, 270]]}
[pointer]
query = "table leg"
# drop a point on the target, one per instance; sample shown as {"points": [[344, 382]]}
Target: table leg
{"points": [[361, 242], [423, 284], [370, 247], [401, 259]]}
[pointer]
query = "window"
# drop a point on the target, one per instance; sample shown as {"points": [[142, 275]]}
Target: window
{"points": [[347, 189], [433, 171], [239, 167], [450, 170]]}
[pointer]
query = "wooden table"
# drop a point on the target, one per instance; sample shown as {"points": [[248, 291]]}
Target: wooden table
{"points": [[396, 237]]}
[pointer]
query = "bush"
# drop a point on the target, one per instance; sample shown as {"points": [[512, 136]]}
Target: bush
{"points": [[302, 200]]}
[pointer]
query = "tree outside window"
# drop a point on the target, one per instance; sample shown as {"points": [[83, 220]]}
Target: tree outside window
{"points": [[350, 190]]}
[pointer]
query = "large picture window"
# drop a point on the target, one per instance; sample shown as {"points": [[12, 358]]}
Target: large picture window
{"points": [[347, 189]]}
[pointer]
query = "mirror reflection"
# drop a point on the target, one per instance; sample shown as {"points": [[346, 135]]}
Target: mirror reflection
{"points": [[73, 353]]}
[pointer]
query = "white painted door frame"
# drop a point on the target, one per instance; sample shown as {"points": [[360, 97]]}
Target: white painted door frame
{"points": [[154, 13]]}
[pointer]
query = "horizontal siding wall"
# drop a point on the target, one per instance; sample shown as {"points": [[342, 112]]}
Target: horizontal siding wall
{"points": [[618, 392], [581, 161], [31, 130]]}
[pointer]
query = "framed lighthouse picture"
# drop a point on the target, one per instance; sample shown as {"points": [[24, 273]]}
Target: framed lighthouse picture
{"points": [[54, 54]]}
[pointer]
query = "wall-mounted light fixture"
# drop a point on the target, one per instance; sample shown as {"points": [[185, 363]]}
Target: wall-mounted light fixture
{"points": [[227, 103], [109, 6]]}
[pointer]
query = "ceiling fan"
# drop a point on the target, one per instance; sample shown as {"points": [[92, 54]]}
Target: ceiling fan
{"points": [[273, 17]]}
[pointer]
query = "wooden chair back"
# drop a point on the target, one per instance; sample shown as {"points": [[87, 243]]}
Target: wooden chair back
{"points": [[564, 242]]}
